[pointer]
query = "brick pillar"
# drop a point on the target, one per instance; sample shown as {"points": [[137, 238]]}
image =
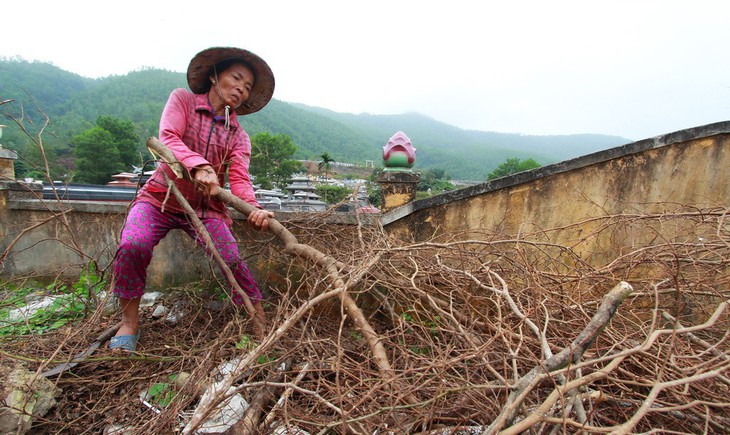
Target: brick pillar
{"points": [[7, 170], [397, 188]]}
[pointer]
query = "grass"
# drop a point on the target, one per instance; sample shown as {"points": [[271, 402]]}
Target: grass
{"points": [[63, 303]]}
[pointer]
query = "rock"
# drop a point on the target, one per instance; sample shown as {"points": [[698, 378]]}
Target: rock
{"points": [[181, 379], [34, 399], [226, 415], [177, 312], [110, 302], [149, 299], [159, 311], [228, 367], [29, 310]]}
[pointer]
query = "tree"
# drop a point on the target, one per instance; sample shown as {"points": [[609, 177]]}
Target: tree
{"points": [[333, 194], [326, 163], [97, 158], [271, 159], [434, 180], [125, 139], [105, 149], [511, 166]]}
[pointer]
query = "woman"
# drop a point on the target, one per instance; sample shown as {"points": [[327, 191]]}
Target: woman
{"points": [[202, 131]]}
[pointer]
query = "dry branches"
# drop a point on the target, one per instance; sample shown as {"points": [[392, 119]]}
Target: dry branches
{"points": [[490, 331]]}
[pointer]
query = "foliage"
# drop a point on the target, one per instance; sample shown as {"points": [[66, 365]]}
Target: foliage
{"points": [[325, 163], [161, 394], [125, 139], [373, 188], [105, 149], [513, 165], [271, 159], [68, 303], [97, 158], [434, 181], [246, 343], [333, 194]]}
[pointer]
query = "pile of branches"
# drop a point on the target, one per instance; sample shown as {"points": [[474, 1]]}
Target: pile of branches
{"points": [[474, 333], [497, 334]]}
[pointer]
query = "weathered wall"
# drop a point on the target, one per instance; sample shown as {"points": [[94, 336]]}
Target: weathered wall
{"points": [[689, 168], [50, 238]]}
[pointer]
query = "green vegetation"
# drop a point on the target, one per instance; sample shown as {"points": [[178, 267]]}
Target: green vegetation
{"points": [[107, 148], [73, 104], [332, 194], [161, 394], [433, 182], [326, 163], [272, 160], [512, 166], [65, 304], [247, 344]]}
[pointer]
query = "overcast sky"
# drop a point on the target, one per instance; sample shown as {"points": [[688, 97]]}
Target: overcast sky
{"points": [[635, 69]]}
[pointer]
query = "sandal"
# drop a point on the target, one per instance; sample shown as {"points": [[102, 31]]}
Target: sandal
{"points": [[124, 342]]}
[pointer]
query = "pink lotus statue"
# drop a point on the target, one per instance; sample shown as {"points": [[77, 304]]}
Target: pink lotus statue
{"points": [[398, 153]]}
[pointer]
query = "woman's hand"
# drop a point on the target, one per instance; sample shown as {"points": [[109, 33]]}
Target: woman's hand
{"points": [[259, 219], [206, 179]]}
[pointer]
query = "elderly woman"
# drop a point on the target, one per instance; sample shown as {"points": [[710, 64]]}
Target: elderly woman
{"points": [[202, 131]]}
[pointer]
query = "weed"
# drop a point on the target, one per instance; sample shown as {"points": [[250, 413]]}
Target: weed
{"points": [[58, 304]]}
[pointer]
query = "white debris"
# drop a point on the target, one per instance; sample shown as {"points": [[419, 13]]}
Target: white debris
{"points": [[159, 311], [226, 415], [29, 310], [149, 299]]}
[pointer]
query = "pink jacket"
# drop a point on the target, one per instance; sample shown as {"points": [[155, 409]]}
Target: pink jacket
{"points": [[196, 138]]}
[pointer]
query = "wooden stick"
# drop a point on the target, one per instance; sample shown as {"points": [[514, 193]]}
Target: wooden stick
{"points": [[568, 355], [200, 229]]}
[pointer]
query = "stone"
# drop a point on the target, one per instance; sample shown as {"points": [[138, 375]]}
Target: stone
{"points": [[149, 299], [177, 312], [228, 367], [111, 303], [159, 311], [26, 396], [29, 310], [227, 414]]}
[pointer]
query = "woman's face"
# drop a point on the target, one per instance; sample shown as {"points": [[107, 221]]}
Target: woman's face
{"points": [[233, 87]]}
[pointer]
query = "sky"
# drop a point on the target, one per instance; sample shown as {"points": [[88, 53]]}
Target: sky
{"points": [[634, 69]]}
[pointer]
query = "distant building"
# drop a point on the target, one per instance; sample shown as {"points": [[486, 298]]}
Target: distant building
{"points": [[124, 179], [301, 196], [269, 199]]}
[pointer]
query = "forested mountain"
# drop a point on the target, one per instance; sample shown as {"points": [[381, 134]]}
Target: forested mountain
{"points": [[73, 103]]}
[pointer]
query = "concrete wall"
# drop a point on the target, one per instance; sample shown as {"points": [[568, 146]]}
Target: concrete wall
{"points": [[45, 239], [689, 168]]}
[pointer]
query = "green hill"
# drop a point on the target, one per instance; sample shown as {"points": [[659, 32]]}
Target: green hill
{"points": [[72, 103]]}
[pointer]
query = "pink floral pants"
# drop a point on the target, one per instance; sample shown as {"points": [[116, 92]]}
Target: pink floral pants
{"points": [[146, 226]]}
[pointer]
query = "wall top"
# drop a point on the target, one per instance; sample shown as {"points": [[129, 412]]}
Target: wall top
{"points": [[8, 154], [668, 139]]}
